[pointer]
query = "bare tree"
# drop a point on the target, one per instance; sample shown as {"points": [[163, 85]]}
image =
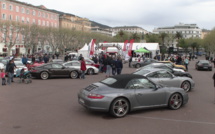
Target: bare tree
{"points": [[10, 31]]}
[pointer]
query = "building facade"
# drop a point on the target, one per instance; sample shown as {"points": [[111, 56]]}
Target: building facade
{"points": [[187, 30], [102, 31], [74, 22], [130, 29], [23, 13]]}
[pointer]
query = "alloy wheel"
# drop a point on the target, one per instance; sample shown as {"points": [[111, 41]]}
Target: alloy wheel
{"points": [[186, 86], [120, 107], [175, 101], [74, 75], [44, 75]]}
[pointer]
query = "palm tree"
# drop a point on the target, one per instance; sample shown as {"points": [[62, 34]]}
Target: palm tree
{"points": [[178, 36]]}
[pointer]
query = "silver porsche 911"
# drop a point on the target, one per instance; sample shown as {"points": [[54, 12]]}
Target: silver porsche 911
{"points": [[166, 78], [124, 93]]}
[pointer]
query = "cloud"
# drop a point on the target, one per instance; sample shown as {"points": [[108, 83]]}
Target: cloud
{"points": [[145, 13]]}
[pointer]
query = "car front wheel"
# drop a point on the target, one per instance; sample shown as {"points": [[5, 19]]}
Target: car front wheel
{"points": [[44, 75], [119, 107], [90, 71], [175, 101], [186, 86], [74, 75], [138, 66]]}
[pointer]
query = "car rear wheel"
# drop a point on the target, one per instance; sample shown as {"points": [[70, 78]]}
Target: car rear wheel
{"points": [[74, 74], [44, 75], [186, 86], [119, 107], [90, 71], [138, 66], [175, 101]]}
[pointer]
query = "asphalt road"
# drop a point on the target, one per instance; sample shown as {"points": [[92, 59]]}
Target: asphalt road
{"points": [[51, 107]]}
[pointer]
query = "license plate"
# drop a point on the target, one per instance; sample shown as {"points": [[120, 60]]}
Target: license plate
{"points": [[205, 67], [81, 100]]}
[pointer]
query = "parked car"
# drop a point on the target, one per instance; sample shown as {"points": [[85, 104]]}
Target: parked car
{"points": [[203, 65], [49, 70], [173, 65], [176, 72], [137, 64], [121, 94], [76, 64], [2, 66], [19, 66], [166, 78], [88, 62]]}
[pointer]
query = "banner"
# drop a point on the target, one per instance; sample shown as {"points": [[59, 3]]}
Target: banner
{"points": [[125, 44], [130, 47], [92, 48]]}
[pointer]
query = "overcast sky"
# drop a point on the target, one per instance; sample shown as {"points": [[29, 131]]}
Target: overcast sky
{"points": [[148, 14]]}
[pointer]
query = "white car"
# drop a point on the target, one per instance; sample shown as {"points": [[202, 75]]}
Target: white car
{"points": [[19, 66], [77, 65], [2, 66]]}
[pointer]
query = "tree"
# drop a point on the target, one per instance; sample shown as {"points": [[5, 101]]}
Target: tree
{"points": [[178, 36], [152, 38], [163, 36], [10, 31]]}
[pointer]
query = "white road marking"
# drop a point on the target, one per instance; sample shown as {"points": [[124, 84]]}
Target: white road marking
{"points": [[166, 119]]}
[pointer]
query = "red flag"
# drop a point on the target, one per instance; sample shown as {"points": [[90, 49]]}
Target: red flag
{"points": [[125, 44], [92, 49], [130, 47]]}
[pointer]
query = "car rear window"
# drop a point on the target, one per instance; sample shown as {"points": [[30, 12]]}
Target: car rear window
{"points": [[109, 81]]}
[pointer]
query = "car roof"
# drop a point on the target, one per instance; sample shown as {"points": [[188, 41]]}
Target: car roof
{"points": [[123, 79]]}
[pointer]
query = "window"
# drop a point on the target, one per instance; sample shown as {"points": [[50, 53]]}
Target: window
{"points": [[27, 20], [164, 74], [47, 16], [39, 22], [109, 81], [23, 20], [153, 75], [4, 16], [17, 18], [11, 7], [17, 9], [33, 22], [39, 14], [75, 64], [23, 10], [44, 23], [10, 17], [27, 11], [3, 6], [57, 66], [140, 84], [33, 12], [43, 15]]}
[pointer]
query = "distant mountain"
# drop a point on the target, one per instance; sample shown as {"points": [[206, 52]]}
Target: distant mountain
{"points": [[96, 24]]}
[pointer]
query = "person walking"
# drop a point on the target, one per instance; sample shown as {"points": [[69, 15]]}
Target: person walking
{"points": [[46, 58], [83, 68], [24, 60], [2, 74], [108, 67], [119, 65], [186, 62], [129, 61], [10, 71], [113, 65]]}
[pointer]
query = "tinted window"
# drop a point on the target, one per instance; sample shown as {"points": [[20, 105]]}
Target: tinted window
{"points": [[57, 66], [109, 81], [67, 64], [153, 75], [164, 74], [75, 64], [48, 66]]}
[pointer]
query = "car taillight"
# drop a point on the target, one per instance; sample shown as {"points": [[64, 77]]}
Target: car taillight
{"points": [[95, 96]]}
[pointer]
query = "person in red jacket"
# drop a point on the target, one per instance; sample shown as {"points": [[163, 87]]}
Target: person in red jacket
{"points": [[83, 68]]}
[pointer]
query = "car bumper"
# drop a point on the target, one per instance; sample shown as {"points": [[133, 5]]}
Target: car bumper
{"points": [[93, 104], [35, 74], [204, 68], [185, 98]]}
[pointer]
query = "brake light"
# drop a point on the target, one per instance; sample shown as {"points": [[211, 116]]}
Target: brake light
{"points": [[95, 96]]}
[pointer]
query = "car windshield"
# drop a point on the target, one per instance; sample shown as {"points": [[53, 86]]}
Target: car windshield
{"points": [[109, 81], [141, 72]]}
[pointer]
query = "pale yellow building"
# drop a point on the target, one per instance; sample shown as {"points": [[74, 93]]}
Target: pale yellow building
{"points": [[74, 22]]}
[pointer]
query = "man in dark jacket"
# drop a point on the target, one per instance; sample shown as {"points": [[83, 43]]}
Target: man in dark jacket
{"points": [[119, 65], [10, 71], [46, 58], [24, 60]]}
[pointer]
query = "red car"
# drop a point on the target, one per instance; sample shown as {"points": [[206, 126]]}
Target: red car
{"points": [[36, 64]]}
